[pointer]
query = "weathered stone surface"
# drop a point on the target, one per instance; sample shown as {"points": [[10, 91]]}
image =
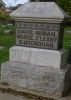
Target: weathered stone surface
{"points": [[7, 32], [39, 35], [48, 10], [38, 69], [41, 57], [29, 93], [42, 79], [8, 96]]}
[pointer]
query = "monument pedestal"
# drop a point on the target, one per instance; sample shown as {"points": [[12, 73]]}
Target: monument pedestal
{"points": [[49, 80], [37, 69], [40, 57]]}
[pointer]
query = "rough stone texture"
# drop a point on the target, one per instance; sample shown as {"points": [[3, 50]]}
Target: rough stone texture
{"points": [[38, 69], [7, 96], [42, 79], [7, 32], [41, 57], [48, 10], [29, 93]]}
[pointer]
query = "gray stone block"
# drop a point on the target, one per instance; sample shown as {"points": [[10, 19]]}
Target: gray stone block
{"points": [[7, 32], [41, 57], [52, 81]]}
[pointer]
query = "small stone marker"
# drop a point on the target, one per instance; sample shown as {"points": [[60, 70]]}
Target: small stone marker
{"points": [[37, 62], [68, 32], [1, 47], [7, 32], [10, 24], [4, 26]]}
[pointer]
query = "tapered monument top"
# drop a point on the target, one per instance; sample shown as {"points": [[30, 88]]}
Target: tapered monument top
{"points": [[45, 10]]}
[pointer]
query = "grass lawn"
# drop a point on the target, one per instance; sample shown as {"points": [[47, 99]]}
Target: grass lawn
{"points": [[8, 41], [66, 39]]}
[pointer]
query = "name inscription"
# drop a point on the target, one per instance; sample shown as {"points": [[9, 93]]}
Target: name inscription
{"points": [[39, 38]]}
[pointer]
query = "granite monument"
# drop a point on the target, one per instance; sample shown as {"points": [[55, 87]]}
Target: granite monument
{"points": [[38, 61]]}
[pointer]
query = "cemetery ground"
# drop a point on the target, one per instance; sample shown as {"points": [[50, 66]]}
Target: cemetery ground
{"points": [[8, 40]]}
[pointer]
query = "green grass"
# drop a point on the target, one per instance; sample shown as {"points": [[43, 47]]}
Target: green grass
{"points": [[8, 41], [66, 39]]}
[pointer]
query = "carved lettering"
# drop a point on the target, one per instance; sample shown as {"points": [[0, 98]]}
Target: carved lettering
{"points": [[37, 35]]}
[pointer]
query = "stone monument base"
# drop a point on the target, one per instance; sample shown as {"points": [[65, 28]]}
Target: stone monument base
{"points": [[50, 80], [40, 57]]}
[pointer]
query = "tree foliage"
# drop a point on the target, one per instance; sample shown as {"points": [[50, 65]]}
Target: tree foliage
{"points": [[65, 5], [14, 8], [1, 5]]}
